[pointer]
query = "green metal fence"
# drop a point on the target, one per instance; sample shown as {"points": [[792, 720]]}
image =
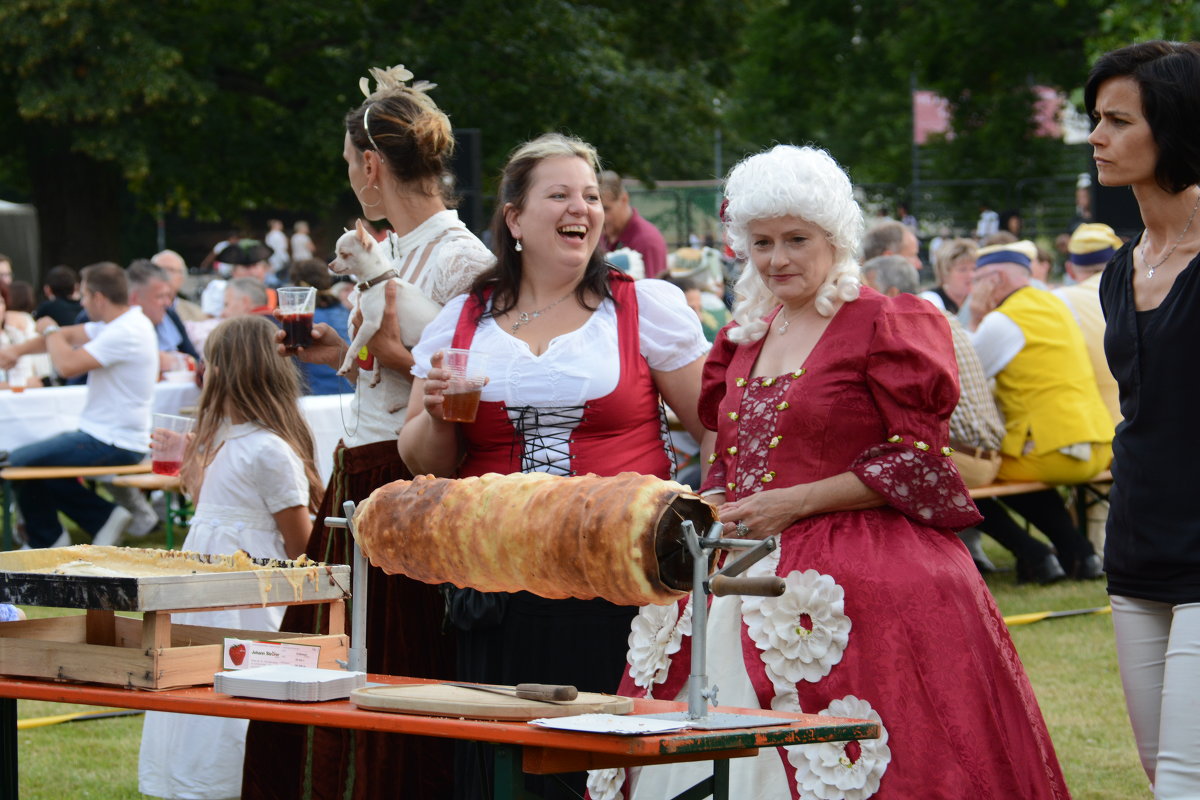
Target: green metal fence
{"points": [[1046, 205]]}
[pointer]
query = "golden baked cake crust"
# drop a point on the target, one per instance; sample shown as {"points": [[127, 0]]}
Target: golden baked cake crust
{"points": [[583, 536]]}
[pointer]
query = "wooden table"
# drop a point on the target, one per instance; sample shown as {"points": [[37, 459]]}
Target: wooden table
{"points": [[519, 747]]}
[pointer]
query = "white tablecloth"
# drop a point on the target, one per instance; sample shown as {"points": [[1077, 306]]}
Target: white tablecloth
{"points": [[37, 414]]}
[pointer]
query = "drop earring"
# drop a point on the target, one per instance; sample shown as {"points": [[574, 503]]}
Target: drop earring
{"points": [[518, 246]]}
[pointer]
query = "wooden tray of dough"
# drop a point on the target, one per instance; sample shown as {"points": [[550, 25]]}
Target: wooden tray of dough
{"points": [[441, 700], [140, 579]]}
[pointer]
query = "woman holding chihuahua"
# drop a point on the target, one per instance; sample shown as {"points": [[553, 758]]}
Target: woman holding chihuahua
{"points": [[579, 355], [250, 468], [397, 149]]}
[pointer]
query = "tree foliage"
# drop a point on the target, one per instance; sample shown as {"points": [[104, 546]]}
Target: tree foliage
{"points": [[204, 107], [840, 75], [1141, 20], [212, 107], [819, 73], [583, 68]]}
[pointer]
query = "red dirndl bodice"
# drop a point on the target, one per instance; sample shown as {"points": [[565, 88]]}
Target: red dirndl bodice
{"points": [[619, 432]]}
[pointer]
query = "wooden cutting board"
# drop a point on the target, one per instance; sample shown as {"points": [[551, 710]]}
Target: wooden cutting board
{"points": [[440, 700]]}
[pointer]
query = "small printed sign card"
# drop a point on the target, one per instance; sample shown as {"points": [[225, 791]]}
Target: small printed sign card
{"points": [[247, 653]]}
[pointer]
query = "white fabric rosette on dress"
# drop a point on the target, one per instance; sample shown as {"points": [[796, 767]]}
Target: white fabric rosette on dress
{"points": [[803, 633], [827, 771], [655, 636], [605, 784]]}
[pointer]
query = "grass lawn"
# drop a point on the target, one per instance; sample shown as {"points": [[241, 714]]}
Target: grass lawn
{"points": [[1071, 663]]}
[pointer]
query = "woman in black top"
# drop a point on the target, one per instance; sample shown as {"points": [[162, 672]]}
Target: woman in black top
{"points": [[1145, 100]]}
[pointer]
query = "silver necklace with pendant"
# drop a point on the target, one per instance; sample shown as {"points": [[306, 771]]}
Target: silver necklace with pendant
{"points": [[1150, 268], [525, 317]]}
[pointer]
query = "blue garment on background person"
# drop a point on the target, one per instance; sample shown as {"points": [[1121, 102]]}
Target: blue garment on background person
{"points": [[172, 335], [8, 613], [318, 378]]}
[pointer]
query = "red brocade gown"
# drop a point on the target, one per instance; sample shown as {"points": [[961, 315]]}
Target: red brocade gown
{"points": [[885, 616]]}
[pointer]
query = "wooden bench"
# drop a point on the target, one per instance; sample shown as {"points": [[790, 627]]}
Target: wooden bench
{"points": [[1002, 488], [1083, 495], [169, 485], [8, 474]]}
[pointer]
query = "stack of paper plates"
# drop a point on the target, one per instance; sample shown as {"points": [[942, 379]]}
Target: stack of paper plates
{"points": [[302, 684]]}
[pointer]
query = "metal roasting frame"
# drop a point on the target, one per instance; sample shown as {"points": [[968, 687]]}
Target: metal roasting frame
{"points": [[700, 694]]}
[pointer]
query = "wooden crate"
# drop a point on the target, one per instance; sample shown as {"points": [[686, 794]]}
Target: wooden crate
{"points": [[151, 653], [100, 647]]}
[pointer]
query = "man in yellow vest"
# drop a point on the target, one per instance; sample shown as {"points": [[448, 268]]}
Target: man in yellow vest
{"points": [[1057, 429]]}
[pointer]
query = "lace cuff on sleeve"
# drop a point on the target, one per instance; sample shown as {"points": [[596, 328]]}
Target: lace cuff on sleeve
{"points": [[922, 485]]}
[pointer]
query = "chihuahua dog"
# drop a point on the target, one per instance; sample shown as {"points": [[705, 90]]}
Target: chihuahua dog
{"points": [[359, 254]]}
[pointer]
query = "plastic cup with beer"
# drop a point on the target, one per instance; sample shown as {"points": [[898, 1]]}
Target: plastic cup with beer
{"points": [[468, 374], [168, 443], [296, 306]]}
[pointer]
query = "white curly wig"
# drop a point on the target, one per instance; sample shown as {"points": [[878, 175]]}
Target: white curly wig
{"points": [[789, 181]]}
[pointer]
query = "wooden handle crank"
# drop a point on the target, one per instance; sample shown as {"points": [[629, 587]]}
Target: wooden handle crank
{"points": [[768, 586]]}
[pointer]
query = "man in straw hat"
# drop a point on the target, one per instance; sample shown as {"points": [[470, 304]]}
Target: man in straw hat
{"points": [[1057, 429], [1091, 247]]}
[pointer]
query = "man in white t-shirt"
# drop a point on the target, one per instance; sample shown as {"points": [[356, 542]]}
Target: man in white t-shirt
{"points": [[118, 351]]}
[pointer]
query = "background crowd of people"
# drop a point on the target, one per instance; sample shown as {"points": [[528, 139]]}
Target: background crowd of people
{"points": [[823, 394]]}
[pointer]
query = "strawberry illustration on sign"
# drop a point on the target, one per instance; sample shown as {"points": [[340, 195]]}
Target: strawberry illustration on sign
{"points": [[237, 654]]}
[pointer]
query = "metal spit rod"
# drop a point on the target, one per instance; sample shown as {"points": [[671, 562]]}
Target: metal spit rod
{"points": [[356, 655], [699, 693]]}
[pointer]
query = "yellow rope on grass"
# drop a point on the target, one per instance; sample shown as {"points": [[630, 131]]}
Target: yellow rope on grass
{"points": [[1038, 616], [78, 716]]}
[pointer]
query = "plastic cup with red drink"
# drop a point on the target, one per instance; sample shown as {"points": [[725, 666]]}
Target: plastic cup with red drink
{"points": [[168, 442], [296, 306]]}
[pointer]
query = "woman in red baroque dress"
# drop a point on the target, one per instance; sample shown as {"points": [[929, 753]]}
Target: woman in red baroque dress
{"points": [[830, 405]]}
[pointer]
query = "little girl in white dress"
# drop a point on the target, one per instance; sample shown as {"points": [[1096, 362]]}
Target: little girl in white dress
{"points": [[250, 466]]}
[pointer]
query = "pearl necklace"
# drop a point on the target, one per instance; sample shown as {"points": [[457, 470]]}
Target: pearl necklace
{"points": [[525, 317], [1150, 268]]}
